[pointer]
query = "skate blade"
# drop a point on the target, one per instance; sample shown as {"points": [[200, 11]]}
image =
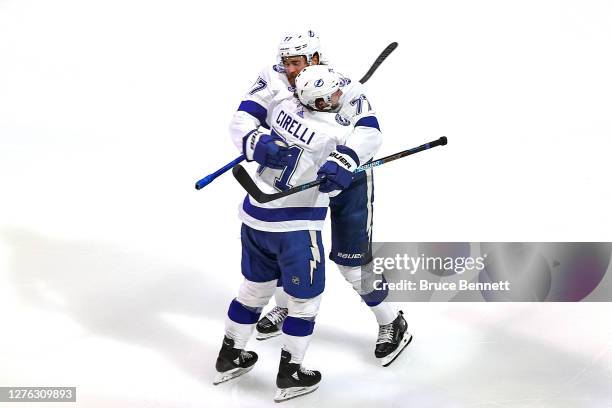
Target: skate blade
{"points": [[266, 336], [231, 374], [387, 360], [284, 394]]}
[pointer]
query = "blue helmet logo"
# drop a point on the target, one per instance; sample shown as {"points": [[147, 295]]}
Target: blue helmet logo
{"points": [[318, 83]]}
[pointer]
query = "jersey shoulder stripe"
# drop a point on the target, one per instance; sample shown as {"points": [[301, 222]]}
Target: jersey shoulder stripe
{"points": [[368, 121], [256, 110]]}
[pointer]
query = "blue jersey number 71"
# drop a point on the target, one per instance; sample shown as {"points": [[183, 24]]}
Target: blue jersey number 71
{"points": [[282, 183]]}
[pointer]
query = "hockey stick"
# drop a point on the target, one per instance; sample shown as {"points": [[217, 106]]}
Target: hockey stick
{"points": [[209, 179], [249, 185], [383, 56]]}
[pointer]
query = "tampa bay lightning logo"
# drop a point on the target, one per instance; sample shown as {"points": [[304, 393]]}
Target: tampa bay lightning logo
{"points": [[301, 113], [341, 120], [279, 68], [318, 83], [291, 88]]}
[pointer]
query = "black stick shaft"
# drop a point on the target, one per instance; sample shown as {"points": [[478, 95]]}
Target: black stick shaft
{"points": [[248, 184], [439, 142], [383, 56]]}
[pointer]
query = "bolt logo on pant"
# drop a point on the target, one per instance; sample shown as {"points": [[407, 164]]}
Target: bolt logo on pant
{"points": [[295, 257]]}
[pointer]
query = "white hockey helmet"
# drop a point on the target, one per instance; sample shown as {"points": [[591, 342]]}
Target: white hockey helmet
{"points": [[317, 82], [296, 44]]}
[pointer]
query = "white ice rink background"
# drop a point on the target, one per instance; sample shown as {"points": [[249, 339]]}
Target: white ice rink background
{"points": [[115, 274]]}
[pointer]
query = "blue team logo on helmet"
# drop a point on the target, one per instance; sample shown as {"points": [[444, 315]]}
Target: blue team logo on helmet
{"points": [[318, 83], [341, 120]]}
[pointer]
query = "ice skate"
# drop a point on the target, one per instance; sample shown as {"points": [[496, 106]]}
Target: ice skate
{"points": [[270, 325], [392, 339], [293, 380], [233, 362]]}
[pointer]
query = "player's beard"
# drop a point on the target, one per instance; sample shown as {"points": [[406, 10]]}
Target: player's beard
{"points": [[291, 79]]}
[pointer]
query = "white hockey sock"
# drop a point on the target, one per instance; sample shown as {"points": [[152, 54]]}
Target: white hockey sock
{"points": [[297, 346], [240, 333], [352, 274], [245, 310], [281, 297], [299, 325], [384, 312]]}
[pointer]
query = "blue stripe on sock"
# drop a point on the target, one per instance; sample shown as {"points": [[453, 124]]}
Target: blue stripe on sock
{"points": [[294, 326], [242, 314], [376, 297]]}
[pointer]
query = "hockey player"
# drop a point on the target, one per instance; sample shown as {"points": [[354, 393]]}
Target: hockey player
{"points": [[351, 210], [281, 240]]}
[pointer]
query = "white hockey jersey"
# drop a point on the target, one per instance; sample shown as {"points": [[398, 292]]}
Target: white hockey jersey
{"points": [[271, 105]]}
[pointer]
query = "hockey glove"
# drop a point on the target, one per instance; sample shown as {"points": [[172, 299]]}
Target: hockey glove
{"points": [[267, 150], [338, 169]]}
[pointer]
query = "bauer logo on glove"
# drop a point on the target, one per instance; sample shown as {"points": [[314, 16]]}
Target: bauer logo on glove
{"points": [[342, 160]]}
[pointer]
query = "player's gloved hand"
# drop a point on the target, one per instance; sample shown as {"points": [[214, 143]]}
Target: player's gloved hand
{"points": [[338, 169], [267, 150]]}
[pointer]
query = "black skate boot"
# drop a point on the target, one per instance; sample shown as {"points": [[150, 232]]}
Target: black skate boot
{"points": [[392, 339], [270, 325], [294, 380], [233, 362]]}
